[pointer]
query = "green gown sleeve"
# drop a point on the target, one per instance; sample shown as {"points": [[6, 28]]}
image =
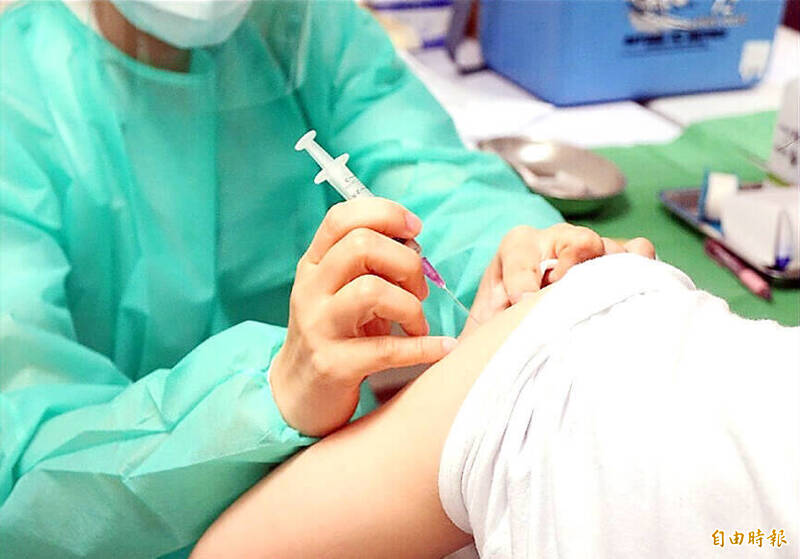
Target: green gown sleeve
{"points": [[91, 463], [363, 100]]}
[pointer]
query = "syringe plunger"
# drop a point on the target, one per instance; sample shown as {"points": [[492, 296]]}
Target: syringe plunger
{"points": [[335, 171]]}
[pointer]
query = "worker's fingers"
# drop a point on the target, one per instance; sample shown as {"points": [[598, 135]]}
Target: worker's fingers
{"points": [[369, 297], [611, 246], [379, 214], [365, 356], [641, 246], [578, 245], [520, 255], [363, 251], [378, 327], [490, 298]]}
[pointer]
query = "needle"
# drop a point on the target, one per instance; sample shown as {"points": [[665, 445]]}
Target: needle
{"points": [[460, 305]]}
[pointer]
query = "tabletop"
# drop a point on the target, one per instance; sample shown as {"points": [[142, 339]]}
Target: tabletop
{"points": [[664, 143]]}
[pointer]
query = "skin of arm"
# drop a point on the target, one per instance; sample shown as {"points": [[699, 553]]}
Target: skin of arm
{"points": [[371, 488]]}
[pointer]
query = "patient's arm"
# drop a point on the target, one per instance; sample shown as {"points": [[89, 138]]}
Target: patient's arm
{"points": [[370, 489]]}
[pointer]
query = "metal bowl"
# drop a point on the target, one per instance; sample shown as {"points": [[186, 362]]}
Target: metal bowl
{"points": [[575, 180]]}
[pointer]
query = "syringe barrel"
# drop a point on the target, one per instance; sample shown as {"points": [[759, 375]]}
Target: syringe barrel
{"points": [[333, 170], [352, 187]]}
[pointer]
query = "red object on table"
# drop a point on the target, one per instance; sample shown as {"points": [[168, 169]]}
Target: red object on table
{"points": [[749, 277], [791, 15]]}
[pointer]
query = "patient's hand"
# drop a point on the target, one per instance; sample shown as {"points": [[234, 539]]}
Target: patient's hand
{"points": [[514, 270]]}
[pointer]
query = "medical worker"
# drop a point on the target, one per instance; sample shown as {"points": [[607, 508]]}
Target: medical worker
{"points": [[154, 219]]}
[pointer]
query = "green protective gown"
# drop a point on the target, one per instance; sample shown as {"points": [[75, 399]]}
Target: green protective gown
{"points": [[150, 225]]}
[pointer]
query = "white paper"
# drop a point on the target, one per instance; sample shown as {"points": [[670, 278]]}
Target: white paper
{"points": [[607, 124], [485, 105]]}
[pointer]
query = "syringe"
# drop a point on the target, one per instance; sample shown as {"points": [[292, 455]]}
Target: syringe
{"points": [[341, 178]]}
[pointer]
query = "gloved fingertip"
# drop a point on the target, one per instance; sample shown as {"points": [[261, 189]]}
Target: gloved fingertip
{"points": [[520, 295], [556, 273], [448, 344], [413, 224]]}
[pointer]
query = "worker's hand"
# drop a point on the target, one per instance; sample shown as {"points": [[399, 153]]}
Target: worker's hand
{"points": [[639, 245], [351, 284], [514, 270]]}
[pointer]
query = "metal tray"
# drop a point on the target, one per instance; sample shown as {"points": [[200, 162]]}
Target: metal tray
{"points": [[576, 181], [683, 202]]}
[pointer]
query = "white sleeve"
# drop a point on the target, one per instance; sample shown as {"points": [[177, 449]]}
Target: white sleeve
{"points": [[629, 415]]}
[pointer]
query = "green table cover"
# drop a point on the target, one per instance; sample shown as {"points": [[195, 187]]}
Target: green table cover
{"points": [[717, 145]]}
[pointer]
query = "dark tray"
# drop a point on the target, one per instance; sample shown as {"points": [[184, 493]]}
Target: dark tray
{"points": [[683, 202]]}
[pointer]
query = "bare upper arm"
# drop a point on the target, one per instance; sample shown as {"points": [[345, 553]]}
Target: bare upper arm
{"points": [[371, 488]]}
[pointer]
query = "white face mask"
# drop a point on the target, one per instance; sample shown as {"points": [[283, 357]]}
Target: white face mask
{"points": [[185, 23]]}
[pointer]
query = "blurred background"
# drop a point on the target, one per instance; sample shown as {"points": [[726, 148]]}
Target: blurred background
{"points": [[673, 119]]}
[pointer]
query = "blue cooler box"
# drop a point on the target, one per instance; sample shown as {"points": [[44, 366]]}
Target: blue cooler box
{"points": [[580, 51]]}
